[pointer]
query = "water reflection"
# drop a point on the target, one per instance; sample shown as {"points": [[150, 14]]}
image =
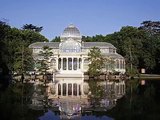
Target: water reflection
{"points": [[74, 97]]}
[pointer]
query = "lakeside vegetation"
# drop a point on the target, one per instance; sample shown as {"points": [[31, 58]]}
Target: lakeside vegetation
{"points": [[139, 45]]}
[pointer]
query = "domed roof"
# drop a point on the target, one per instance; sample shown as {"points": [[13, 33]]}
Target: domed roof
{"points": [[71, 31]]}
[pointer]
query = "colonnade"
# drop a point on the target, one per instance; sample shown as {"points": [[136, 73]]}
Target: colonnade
{"points": [[120, 64], [69, 89], [69, 63]]}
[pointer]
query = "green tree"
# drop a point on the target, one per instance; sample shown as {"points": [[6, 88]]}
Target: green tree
{"points": [[45, 54], [96, 60], [32, 27], [56, 39]]}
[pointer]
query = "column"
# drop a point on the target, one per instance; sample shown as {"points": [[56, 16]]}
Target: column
{"points": [[66, 89], [119, 88], [66, 63], [77, 89], [61, 63], [61, 89], [57, 63], [82, 62], [77, 63], [57, 89], [72, 87]]}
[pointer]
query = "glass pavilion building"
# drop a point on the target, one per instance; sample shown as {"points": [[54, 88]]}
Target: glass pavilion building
{"points": [[70, 60]]}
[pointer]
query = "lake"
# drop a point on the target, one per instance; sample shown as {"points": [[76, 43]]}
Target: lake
{"points": [[102, 100]]}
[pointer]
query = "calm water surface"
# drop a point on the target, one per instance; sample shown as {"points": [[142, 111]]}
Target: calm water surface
{"points": [[140, 101]]}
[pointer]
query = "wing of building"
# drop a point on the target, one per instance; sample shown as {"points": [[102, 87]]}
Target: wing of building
{"points": [[70, 60]]}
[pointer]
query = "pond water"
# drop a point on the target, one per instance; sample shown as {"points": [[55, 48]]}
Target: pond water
{"points": [[103, 100]]}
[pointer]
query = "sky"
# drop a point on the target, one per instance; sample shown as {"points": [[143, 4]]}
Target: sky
{"points": [[91, 17]]}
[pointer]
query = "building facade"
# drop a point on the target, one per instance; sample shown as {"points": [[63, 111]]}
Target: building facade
{"points": [[70, 59]]}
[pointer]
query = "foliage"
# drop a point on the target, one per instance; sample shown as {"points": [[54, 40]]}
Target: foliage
{"points": [[140, 46], [56, 39], [141, 102], [97, 92], [14, 51], [44, 62], [32, 28], [96, 62]]}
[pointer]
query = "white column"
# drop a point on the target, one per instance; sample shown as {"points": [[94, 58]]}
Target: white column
{"points": [[77, 89], [81, 86], [66, 63], [77, 63], [66, 89], [72, 63], [56, 89], [82, 62], [72, 89], [57, 63], [61, 63], [61, 89]]}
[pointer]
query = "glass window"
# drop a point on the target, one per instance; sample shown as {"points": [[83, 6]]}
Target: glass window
{"points": [[64, 89], [75, 63], [117, 64], [69, 89], [69, 63], [64, 63], [75, 89], [80, 60], [79, 89], [59, 89], [59, 63]]}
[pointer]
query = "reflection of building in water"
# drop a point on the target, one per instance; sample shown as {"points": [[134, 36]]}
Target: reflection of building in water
{"points": [[70, 55]]}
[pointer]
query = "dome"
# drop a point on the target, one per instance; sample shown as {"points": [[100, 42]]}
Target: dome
{"points": [[70, 46], [71, 31]]}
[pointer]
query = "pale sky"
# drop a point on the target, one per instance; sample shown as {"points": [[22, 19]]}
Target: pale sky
{"points": [[90, 16]]}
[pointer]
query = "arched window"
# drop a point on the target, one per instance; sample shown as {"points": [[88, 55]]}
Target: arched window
{"points": [[121, 64], [64, 89], [59, 89], [80, 61], [64, 63], [75, 63], [59, 63], [75, 89], [69, 63], [117, 64], [69, 89]]}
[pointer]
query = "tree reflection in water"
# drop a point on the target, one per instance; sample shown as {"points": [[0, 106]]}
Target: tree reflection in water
{"points": [[143, 105]]}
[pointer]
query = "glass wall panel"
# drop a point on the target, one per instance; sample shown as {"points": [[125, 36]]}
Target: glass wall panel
{"points": [[75, 63], [59, 63], [64, 63], [69, 89], [64, 89], [117, 64], [69, 63], [80, 61], [75, 89], [121, 62], [59, 89], [79, 89]]}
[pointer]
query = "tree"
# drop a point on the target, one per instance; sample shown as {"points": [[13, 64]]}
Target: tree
{"points": [[32, 28], [96, 62], [44, 59], [56, 39], [153, 27]]}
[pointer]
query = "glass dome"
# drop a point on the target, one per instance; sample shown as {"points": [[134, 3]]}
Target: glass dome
{"points": [[70, 46], [71, 31]]}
